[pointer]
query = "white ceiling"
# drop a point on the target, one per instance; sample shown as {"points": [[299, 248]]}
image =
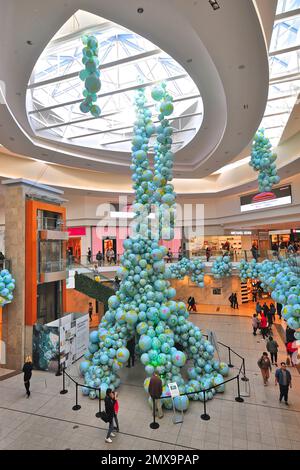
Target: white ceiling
{"points": [[224, 52]]}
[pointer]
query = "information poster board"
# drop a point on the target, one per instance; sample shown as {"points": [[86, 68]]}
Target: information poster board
{"points": [[82, 335]]}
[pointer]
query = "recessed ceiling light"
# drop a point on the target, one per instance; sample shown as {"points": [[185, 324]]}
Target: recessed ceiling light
{"points": [[214, 4], [29, 43], [246, 106], [18, 93], [241, 67], [12, 139], [140, 10], [227, 152], [189, 61]]}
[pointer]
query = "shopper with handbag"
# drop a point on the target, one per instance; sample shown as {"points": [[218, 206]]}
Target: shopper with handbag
{"points": [[264, 364], [109, 402]]}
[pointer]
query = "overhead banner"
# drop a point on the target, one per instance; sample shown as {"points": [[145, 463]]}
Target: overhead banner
{"points": [[277, 197]]}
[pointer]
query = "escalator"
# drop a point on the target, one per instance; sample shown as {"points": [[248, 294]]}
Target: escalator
{"points": [[93, 284]]}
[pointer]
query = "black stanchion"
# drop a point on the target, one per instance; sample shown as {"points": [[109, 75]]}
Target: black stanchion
{"points": [[76, 406], [98, 414], [154, 424], [229, 358], [205, 416], [244, 378], [64, 390], [239, 398]]}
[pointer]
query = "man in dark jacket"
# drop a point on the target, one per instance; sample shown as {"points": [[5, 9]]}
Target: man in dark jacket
{"points": [[155, 391], [284, 379], [279, 309], [131, 349], [109, 402]]}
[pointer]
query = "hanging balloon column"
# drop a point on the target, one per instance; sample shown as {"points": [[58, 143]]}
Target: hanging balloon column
{"points": [[143, 305], [263, 161], [7, 285], [90, 75], [222, 267]]}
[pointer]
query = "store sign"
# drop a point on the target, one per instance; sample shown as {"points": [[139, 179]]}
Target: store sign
{"points": [[276, 197], [279, 232], [77, 231], [241, 232]]}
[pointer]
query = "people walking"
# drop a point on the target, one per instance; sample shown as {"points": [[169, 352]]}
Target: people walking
{"points": [[131, 349], [272, 311], [263, 326], [99, 258], [258, 308], [254, 252], [231, 299], [109, 403], [264, 364], [279, 309], [90, 310], [27, 369], [169, 256], [193, 304], [283, 378], [235, 301], [155, 391], [290, 349], [272, 348], [189, 303], [255, 323], [116, 410], [208, 253], [89, 256]]}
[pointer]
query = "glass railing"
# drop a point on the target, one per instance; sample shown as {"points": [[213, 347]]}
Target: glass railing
{"points": [[5, 264], [52, 266], [51, 223]]}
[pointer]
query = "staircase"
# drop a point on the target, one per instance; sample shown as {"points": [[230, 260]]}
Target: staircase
{"points": [[101, 291]]}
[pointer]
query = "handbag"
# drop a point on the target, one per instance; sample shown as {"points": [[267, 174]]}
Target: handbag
{"points": [[104, 416]]}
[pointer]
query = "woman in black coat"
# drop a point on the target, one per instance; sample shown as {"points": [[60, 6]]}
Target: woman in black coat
{"points": [[27, 369], [109, 402]]}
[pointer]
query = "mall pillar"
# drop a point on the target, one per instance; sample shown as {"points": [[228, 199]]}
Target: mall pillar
{"points": [[13, 317]]}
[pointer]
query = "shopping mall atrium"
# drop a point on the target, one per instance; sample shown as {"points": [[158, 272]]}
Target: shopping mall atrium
{"points": [[150, 225]]}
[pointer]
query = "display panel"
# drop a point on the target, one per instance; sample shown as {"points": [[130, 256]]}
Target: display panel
{"points": [[277, 197]]}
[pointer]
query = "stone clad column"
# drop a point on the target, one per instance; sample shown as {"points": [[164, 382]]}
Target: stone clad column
{"points": [[14, 313]]}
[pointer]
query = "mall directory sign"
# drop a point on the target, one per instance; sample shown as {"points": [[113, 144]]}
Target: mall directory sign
{"points": [[277, 197]]}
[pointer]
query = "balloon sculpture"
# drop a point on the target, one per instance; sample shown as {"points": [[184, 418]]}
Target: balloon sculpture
{"points": [[222, 267], [248, 270], [90, 76], [7, 285], [263, 161], [143, 305], [185, 267]]}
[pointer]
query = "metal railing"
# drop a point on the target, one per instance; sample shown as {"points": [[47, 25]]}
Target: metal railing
{"points": [[241, 375]]}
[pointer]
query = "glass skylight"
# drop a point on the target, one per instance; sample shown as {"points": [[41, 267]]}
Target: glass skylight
{"points": [[54, 91]]}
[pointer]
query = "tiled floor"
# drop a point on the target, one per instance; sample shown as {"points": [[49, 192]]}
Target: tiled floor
{"points": [[46, 420]]}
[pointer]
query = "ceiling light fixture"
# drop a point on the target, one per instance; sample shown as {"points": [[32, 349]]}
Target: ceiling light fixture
{"points": [[214, 4], [140, 10]]}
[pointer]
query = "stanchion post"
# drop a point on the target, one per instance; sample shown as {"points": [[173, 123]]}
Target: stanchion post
{"points": [[64, 390], [239, 398], [154, 424], [229, 358], [205, 416], [98, 414], [76, 406], [244, 378]]}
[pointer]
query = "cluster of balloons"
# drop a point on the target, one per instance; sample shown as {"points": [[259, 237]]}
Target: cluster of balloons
{"points": [[164, 195], [90, 75], [185, 267], [263, 161], [248, 270], [222, 267], [283, 280], [143, 305], [7, 285]]}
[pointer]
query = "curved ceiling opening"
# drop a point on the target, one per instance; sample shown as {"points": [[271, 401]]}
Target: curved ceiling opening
{"points": [[54, 91]]}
